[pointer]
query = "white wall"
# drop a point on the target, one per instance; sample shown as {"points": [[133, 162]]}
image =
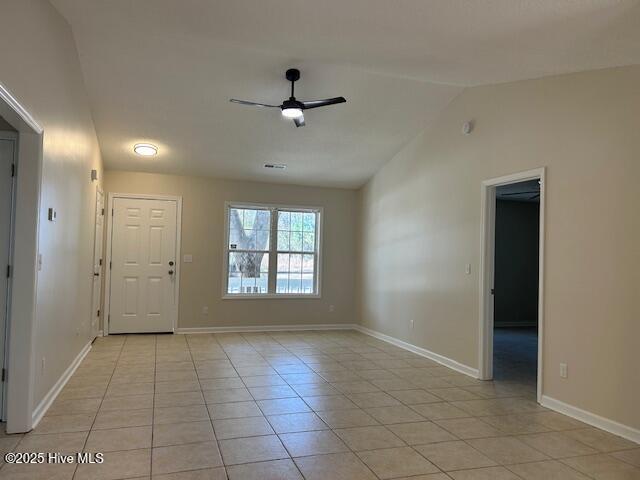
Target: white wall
{"points": [[420, 225], [40, 67]]}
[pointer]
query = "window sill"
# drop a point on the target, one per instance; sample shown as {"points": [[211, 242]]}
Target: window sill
{"points": [[270, 296]]}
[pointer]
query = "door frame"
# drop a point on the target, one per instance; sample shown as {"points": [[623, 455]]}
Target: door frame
{"points": [[107, 279], [99, 191], [487, 267], [22, 316]]}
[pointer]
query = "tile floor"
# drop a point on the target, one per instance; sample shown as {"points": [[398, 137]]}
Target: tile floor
{"points": [[313, 405]]}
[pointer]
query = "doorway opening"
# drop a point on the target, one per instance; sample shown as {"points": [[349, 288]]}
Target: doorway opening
{"points": [[511, 330]]}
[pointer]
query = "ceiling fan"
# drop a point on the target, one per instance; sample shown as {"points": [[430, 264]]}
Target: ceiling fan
{"points": [[293, 108]]}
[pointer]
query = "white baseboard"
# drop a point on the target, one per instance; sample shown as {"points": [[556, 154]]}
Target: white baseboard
{"points": [[268, 328], [52, 394], [436, 357], [592, 419]]}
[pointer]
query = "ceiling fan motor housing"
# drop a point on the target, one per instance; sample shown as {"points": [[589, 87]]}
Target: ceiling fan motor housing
{"points": [[293, 74]]}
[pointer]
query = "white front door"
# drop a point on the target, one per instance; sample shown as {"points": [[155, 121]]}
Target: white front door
{"points": [[8, 142], [97, 264], [143, 290]]}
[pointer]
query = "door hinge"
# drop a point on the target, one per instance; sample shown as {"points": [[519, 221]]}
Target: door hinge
{"points": [[4, 374], [109, 265], [13, 169], [493, 291], [102, 212], [112, 212], [100, 262], [98, 312], [8, 271]]}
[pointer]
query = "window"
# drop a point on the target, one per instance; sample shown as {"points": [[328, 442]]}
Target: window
{"points": [[272, 251]]}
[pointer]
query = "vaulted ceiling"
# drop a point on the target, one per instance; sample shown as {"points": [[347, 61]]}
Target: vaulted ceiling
{"points": [[164, 70]]}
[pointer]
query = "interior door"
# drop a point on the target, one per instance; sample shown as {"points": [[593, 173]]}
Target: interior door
{"points": [[97, 264], [8, 143], [143, 290]]}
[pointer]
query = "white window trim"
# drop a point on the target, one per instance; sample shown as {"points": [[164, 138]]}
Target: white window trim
{"points": [[272, 244]]}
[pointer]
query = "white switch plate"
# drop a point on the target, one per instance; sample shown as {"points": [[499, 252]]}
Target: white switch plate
{"points": [[468, 269], [411, 322], [187, 258], [563, 370]]}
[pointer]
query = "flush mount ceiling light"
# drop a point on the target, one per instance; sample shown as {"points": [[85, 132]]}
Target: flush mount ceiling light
{"points": [[145, 149]]}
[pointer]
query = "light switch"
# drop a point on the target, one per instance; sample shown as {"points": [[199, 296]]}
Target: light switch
{"points": [[468, 269], [187, 258]]}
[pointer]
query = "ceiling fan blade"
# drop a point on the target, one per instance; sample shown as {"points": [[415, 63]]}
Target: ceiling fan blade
{"points": [[253, 104], [323, 103], [299, 121]]}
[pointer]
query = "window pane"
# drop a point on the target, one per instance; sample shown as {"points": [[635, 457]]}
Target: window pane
{"points": [[283, 240], [308, 263], [295, 283], [295, 241], [296, 221], [284, 220], [282, 283], [309, 222], [248, 273], [249, 229], [307, 283], [283, 262], [295, 263], [308, 242]]}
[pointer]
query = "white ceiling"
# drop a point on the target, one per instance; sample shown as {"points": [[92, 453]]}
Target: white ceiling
{"points": [[163, 71]]}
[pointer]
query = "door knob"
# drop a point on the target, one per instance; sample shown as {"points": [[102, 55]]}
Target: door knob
{"points": [[171, 264], [96, 274], [170, 272]]}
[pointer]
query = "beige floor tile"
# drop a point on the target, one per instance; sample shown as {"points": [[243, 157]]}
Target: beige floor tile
{"points": [[373, 399], [126, 389], [455, 455], [242, 427], [206, 474], [395, 462], [131, 438], [263, 381], [315, 389], [629, 456], [429, 476], [554, 421], [180, 433], [178, 399], [176, 376], [234, 410], [192, 456], [93, 391], [603, 467], [252, 449], [272, 391], [453, 394], [547, 470], [507, 450], [329, 402], [397, 414], [65, 423], [489, 473], [420, 433], [117, 465], [303, 378], [273, 470], [129, 402], [312, 443], [74, 406], [227, 395], [414, 397], [221, 383], [347, 418], [339, 466], [296, 422], [56, 442], [37, 472], [357, 386], [392, 384], [190, 413], [515, 424], [283, 405], [468, 428], [175, 387], [126, 418], [557, 444], [439, 411], [8, 444], [601, 441], [369, 438]]}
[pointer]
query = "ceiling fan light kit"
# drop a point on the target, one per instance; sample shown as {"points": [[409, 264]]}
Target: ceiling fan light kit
{"points": [[293, 108]]}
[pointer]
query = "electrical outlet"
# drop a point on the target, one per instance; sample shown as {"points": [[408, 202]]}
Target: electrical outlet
{"points": [[467, 269], [331, 308], [563, 370], [205, 310], [411, 323]]}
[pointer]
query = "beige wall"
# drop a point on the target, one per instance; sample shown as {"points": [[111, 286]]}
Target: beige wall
{"points": [[421, 225], [40, 67], [203, 237]]}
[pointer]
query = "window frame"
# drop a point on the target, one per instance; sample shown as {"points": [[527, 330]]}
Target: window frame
{"points": [[273, 251]]}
